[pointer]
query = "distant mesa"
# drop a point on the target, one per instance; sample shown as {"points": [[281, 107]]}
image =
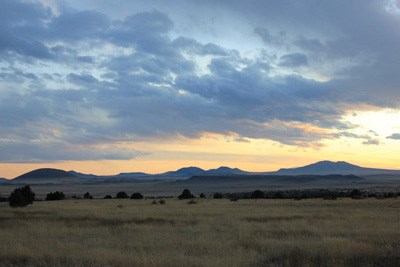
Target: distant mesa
{"points": [[277, 179], [45, 174], [318, 168], [131, 175], [187, 171], [195, 171], [225, 171], [82, 175], [330, 167]]}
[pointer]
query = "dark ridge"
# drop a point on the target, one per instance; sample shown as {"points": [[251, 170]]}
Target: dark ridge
{"points": [[223, 170], [187, 171], [275, 178], [329, 167], [4, 180], [44, 174]]}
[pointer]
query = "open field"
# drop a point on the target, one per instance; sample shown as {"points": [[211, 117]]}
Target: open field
{"points": [[118, 232]]}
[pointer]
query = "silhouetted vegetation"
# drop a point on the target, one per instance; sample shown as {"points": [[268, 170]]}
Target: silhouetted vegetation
{"points": [[3, 199], [191, 202], [161, 201], [326, 194], [186, 194], [122, 194], [356, 194], [55, 196], [21, 197], [257, 194], [218, 196], [202, 195], [87, 196], [154, 202], [136, 196], [108, 197], [279, 195]]}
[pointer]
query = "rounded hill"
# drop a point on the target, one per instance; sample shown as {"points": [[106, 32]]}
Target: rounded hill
{"points": [[45, 173]]}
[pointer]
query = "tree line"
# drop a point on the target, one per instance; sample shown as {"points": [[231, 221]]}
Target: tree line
{"points": [[24, 196]]}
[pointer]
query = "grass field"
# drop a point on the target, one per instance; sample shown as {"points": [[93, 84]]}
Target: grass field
{"points": [[344, 232]]}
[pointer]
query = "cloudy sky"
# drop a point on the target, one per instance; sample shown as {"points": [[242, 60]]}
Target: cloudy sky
{"points": [[113, 86]]}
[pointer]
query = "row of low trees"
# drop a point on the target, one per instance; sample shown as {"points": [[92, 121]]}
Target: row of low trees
{"points": [[296, 194], [24, 196]]}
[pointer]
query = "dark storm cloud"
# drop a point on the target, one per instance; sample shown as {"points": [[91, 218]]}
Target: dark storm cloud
{"points": [[82, 77]]}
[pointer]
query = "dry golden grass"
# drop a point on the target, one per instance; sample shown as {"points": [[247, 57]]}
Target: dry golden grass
{"points": [[344, 232]]}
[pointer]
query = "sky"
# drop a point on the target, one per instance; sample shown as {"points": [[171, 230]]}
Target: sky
{"points": [[116, 86]]}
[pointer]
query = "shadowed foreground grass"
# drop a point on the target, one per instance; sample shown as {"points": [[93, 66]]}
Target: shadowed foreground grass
{"points": [[344, 232]]}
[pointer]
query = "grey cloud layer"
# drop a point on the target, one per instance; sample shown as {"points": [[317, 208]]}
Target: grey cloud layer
{"points": [[73, 81]]}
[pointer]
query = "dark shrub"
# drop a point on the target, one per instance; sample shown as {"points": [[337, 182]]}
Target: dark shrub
{"points": [[235, 199], [122, 194], [16, 199], [218, 196], [390, 195], [356, 194], [154, 202], [279, 195], [257, 194], [186, 194], [329, 197], [136, 196], [108, 197], [87, 196], [55, 196], [202, 195], [161, 201], [28, 194], [3, 199], [21, 197], [191, 202]]}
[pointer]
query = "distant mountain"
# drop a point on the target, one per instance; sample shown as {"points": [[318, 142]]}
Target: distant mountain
{"points": [[182, 173], [275, 179], [4, 180], [318, 168], [330, 167], [225, 171], [45, 174], [185, 172], [121, 175], [132, 175], [82, 175]]}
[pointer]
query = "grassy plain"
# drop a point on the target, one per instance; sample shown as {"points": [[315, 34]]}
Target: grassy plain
{"points": [[313, 232]]}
